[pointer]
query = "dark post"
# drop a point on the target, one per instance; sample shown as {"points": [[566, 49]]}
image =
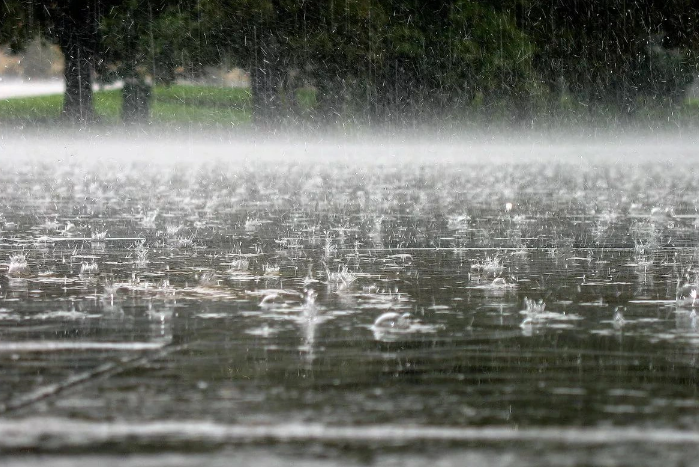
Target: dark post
{"points": [[77, 103], [264, 79], [77, 37], [136, 99]]}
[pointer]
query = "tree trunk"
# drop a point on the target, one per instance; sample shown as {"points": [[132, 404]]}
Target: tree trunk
{"points": [[264, 81], [329, 99], [264, 97], [378, 102], [78, 104], [136, 96]]}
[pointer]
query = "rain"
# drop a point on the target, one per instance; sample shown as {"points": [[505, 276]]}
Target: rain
{"points": [[348, 233]]}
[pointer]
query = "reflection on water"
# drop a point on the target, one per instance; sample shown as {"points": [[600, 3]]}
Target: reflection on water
{"points": [[455, 296]]}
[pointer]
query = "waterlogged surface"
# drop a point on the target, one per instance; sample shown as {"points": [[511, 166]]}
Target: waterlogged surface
{"points": [[388, 313]]}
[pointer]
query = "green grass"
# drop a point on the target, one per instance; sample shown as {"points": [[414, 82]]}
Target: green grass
{"points": [[166, 112], [306, 99], [205, 105], [203, 96], [224, 107], [108, 105], [40, 109]]}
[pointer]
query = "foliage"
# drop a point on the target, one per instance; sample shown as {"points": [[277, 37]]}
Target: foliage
{"points": [[616, 53], [144, 38]]}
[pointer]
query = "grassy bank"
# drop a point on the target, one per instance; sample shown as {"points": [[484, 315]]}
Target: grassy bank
{"points": [[218, 107], [171, 105]]}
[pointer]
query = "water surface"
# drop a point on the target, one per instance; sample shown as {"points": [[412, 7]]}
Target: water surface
{"points": [[541, 311]]}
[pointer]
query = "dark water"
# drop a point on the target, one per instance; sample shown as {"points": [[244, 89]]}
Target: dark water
{"points": [[200, 313]]}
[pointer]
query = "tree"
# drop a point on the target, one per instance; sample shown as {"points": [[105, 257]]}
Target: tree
{"points": [[16, 27], [74, 26], [254, 34], [139, 40], [101, 36], [336, 50], [615, 54], [387, 60], [437, 60]]}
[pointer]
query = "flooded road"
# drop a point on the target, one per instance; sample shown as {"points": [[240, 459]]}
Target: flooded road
{"points": [[392, 313]]}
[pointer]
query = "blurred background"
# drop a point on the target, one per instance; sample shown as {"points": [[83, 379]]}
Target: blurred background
{"points": [[538, 64]]}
